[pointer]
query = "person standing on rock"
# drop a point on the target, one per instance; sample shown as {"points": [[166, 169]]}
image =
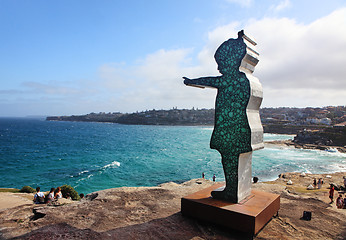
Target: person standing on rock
{"points": [[319, 183], [331, 193]]}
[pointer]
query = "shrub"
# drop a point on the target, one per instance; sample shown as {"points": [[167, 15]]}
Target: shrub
{"points": [[11, 190], [68, 190], [27, 189]]}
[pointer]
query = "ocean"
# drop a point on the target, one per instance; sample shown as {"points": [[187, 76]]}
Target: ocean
{"points": [[96, 156]]}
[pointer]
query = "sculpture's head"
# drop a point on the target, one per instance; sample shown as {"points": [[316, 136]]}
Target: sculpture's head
{"points": [[230, 54]]}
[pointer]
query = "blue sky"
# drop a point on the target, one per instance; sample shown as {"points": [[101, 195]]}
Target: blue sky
{"points": [[76, 57]]}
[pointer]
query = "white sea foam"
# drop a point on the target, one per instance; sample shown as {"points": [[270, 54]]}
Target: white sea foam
{"points": [[80, 173], [112, 165], [337, 167], [331, 154], [83, 172], [82, 179], [207, 128]]}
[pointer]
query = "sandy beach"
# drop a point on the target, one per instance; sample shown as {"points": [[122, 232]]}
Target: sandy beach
{"points": [[154, 213]]}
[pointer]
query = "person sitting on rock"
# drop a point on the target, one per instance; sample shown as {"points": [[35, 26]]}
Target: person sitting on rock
{"points": [[39, 196], [50, 196], [57, 193], [339, 202], [68, 196]]}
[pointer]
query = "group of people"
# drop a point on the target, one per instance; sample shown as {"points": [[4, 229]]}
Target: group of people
{"points": [[318, 183], [255, 179], [214, 177], [53, 195], [340, 201]]}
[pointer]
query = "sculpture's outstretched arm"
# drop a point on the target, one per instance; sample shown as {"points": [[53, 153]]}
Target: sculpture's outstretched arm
{"points": [[202, 82]]}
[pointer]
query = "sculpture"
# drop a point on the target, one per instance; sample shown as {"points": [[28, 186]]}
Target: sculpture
{"points": [[237, 127]]}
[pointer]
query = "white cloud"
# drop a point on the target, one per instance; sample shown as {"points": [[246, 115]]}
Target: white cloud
{"points": [[52, 88], [300, 65], [159, 82], [281, 6], [302, 56], [302, 97], [115, 76], [243, 3], [304, 62]]}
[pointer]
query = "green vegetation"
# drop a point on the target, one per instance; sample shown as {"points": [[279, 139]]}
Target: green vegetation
{"points": [[27, 189], [304, 190], [11, 190], [67, 190], [151, 117], [293, 119]]}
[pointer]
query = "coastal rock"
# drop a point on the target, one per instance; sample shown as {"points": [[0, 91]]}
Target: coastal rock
{"points": [[325, 137], [154, 213], [307, 145]]}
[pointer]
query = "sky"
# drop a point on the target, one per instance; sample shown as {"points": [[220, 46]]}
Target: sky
{"points": [[75, 57]]}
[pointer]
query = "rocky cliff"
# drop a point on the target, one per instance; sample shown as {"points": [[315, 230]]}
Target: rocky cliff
{"points": [[154, 213]]}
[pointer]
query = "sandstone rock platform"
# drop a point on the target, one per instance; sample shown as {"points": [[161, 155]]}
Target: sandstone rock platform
{"points": [[154, 213]]}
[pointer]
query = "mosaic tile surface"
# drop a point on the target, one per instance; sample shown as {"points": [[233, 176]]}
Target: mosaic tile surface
{"points": [[232, 133]]}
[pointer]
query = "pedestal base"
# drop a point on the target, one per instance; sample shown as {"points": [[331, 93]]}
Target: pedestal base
{"points": [[249, 215]]}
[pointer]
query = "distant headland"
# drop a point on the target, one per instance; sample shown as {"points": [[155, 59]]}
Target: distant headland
{"points": [[175, 117]]}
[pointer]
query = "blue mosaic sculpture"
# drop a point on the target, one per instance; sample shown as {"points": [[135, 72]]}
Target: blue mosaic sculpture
{"points": [[237, 128]]}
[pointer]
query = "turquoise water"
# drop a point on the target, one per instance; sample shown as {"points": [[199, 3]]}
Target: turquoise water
{"points": [[96, 156]]}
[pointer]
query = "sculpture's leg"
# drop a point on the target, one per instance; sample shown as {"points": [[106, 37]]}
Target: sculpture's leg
{"points": [[230, 168], [238, 174]]}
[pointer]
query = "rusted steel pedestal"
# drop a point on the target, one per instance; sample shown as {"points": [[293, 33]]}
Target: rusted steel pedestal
{"points": [[250, 215]]}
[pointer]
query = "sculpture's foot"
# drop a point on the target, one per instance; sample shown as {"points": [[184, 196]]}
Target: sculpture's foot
{"points": [[226, 195]]}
